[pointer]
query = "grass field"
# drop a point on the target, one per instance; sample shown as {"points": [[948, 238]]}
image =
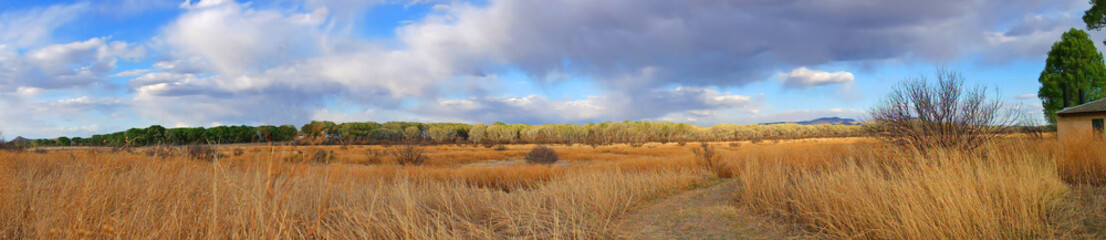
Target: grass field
{"points": [[843, 188]]}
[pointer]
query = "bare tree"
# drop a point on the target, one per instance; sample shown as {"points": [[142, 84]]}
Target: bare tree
{"points": [[923, 115]]}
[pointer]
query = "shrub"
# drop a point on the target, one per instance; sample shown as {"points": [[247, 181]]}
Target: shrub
{"points": [[541, 155], [500, 148], [159, 152], [239, 152], [374, 156], [755, 140], [708, 158], [201, 152], [13, 147], [322, 156], [295, 157], [409, 154], [924, 116]]}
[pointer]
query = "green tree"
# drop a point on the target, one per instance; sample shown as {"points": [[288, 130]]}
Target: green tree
{"points": [[135, 137], [155, 135], [1095, 18], [318, 129], [285, 133], [63, 141], [1073, 67]]}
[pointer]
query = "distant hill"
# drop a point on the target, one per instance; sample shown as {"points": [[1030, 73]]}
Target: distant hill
{"points": [[20, 140], [825, 120]]}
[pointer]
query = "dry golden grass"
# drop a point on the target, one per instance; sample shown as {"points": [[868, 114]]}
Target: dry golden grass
{"points": [[1012, 189], [850, 188], [1081, 159], [87, 194]]}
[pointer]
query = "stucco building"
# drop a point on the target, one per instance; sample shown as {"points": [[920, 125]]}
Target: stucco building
{"points": [[1081, 120]]}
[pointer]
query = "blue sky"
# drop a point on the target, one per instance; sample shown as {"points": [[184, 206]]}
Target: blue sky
{"points": [[77, 68]]}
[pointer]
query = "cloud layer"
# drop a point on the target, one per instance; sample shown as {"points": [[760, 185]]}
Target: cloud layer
{"points": [[804, 78], [226, 62]]}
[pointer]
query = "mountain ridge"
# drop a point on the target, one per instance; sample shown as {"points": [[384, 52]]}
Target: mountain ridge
{"points": [[823, 120]]}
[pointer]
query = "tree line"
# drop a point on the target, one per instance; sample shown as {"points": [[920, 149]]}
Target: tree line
{"points": [[330, 133], [158, 135]]}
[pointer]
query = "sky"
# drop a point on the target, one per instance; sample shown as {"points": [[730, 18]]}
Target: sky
{"points": [[78, 68]]}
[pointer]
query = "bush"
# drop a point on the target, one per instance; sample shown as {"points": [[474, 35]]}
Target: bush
{"points": [[201, 152], [500, 148], [947, 115], [159, 152], [16, 145], [374, 156], [706, 157], [239, 152], [755, 140], [541, 155], [13, 147], [409, 154], [322, 156]]}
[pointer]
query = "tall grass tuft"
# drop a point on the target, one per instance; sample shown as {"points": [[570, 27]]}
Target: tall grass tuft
{"points": [[1082, 160], [1004, 193]]}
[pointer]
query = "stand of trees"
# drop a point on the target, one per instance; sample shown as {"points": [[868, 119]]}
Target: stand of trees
{"points": [[1075, 73], [326, 132], [158, 135]]}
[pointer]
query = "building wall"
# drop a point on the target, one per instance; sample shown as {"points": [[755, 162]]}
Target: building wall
{"points": [[1068, 127]]}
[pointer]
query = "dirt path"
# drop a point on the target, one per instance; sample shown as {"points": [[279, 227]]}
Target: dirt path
{"points": [[705, 213]]}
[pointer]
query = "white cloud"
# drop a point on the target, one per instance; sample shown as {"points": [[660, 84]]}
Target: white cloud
{"points": [[237, 40], [224, 61], [70, 65], [35, 27], [187, 4], [1027, 96], [803, 78], [1031, 38], [230, 62], [614, 107], [48, 89]]}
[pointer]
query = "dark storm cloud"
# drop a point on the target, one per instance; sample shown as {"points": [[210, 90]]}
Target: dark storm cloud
{"points": [[718, 43], [636, 51]]}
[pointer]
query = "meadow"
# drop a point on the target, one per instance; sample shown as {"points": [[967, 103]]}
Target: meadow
{"points": [[1014, 187]]}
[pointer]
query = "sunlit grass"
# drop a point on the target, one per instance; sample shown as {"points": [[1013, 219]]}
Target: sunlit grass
{"points": [[847, 188]]}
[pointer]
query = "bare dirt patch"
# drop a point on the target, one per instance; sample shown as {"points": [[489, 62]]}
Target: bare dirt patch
{"points": [[704, 213]]}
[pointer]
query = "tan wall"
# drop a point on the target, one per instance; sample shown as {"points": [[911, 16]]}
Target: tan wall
{"points": [[1075, 126]]}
